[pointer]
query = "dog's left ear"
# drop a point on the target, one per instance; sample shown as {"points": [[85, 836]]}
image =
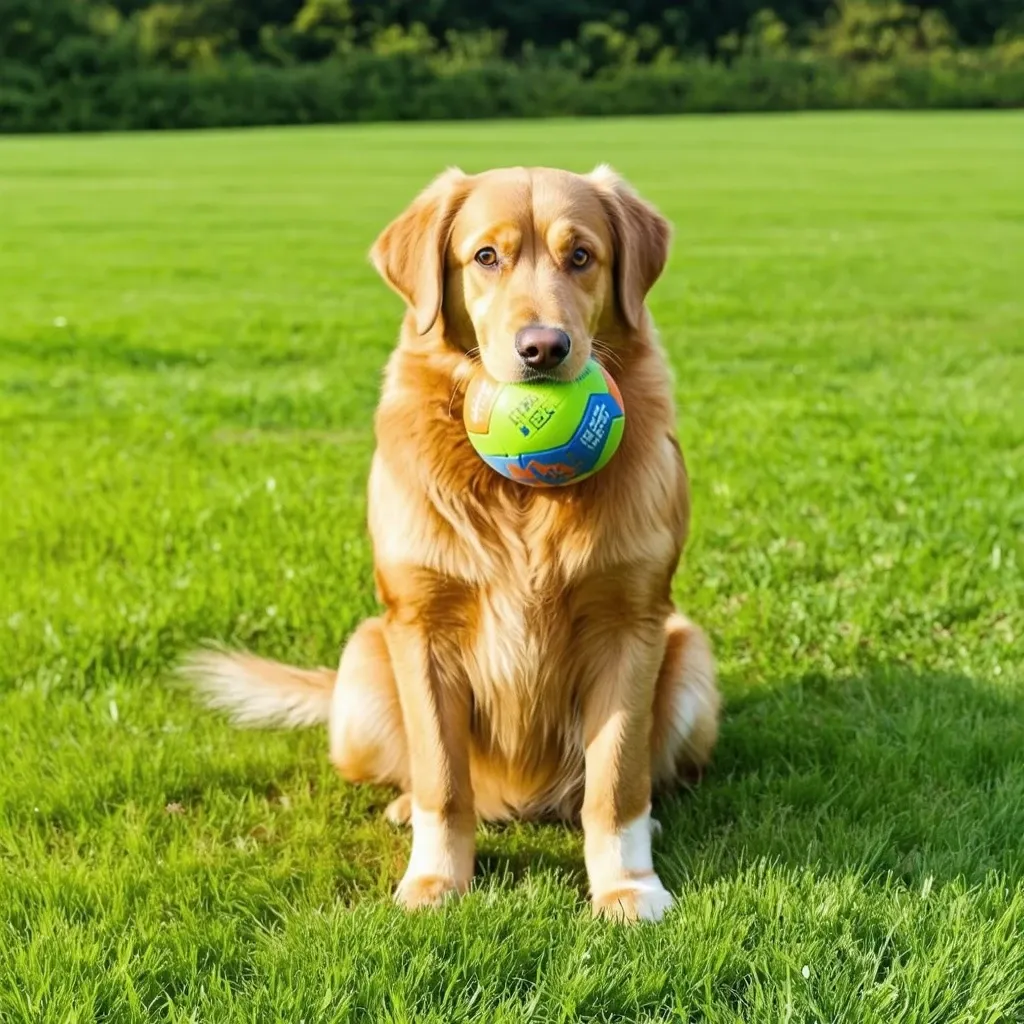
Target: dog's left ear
{"points": [[642, 238], [409, 253]]}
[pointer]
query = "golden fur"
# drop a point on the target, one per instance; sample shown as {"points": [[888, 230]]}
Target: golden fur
{"points": [[529, 660]]}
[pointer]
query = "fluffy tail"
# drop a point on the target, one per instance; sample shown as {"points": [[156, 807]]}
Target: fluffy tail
{"points": [[257, 692]]}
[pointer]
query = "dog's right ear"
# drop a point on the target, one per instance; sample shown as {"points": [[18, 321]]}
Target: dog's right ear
{"points": [[409, 253]]}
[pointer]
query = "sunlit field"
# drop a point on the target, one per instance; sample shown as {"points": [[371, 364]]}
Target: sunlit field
{"points": [[191, 342]]}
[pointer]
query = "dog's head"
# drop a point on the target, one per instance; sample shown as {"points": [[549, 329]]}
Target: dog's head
{"points": [[529, 266]]}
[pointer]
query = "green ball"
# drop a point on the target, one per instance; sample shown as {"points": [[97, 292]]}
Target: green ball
{"points": [[545, 433]]}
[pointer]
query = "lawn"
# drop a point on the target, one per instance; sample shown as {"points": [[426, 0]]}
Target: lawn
{"points": [[191, 341]]}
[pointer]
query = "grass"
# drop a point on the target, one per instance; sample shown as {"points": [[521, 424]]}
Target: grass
{"points": [[191, 341]]}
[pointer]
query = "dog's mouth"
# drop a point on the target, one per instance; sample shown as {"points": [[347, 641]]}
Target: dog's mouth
{"points": [[530, 376], [567, 373]]}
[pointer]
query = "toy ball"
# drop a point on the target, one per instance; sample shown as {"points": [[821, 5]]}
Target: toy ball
{"points": [[545, 433]]}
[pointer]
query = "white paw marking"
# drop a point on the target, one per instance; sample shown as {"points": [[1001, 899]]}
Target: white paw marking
{"points": [[653, 903], [644, 899], [399, 811]]}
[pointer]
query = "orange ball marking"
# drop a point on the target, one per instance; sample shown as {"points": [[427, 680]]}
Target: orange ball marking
{"points": [[481, 395]]}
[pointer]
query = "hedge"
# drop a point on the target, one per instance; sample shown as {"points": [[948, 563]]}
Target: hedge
{"points": [[366, 87]]}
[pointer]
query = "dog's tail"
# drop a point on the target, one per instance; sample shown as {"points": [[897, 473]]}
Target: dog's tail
{"points": [[256, 692]]}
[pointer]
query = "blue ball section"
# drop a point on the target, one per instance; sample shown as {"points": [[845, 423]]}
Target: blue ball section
{"points": [[578, 456]]}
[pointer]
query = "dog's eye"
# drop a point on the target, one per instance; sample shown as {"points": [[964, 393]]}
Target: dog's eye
{"points": [[486, 257], [580, 258]]}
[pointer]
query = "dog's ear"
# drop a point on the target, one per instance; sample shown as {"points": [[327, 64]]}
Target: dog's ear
{"points": [[409, 253], [642, 237]]}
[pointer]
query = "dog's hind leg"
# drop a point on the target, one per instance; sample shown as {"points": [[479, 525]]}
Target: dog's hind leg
{"points": [[367, 734], [686, 705]]}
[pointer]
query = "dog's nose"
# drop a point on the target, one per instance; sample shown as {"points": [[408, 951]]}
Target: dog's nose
{"points": [[542, 348]]}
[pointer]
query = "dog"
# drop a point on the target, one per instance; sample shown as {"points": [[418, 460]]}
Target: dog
{"points": [[529, 661]]}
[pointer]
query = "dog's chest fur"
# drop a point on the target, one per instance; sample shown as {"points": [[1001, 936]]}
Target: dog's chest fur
{"points": [[518, 590]]}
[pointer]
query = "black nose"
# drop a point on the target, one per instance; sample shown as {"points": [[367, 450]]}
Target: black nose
{"points": [[542, 348]]}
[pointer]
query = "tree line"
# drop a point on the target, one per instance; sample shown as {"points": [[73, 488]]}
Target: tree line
{"points": [[67, 64]]}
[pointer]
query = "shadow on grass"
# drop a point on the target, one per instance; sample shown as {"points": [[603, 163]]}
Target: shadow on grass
{"points": [[516, 852], [891, 773]]}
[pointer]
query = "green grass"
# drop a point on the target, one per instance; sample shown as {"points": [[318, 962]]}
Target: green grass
{"points": [[191, 341]]}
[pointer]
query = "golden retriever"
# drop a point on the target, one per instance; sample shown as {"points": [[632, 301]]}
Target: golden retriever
{"points": [[529, 660]]}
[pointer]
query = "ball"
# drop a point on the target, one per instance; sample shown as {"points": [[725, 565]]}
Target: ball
{"points": [[545, 433]]}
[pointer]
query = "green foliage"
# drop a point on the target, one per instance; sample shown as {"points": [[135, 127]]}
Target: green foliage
{"points": [[182, 35], [191, 344], [90, 65], [883, 30], [402, 83], [396, 41], [607, 33], [607, 47], [323, 27], [472, 49]]}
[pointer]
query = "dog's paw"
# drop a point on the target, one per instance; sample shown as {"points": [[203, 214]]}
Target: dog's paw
{"points": [[399, 811], [640, 900], [427, 891]]}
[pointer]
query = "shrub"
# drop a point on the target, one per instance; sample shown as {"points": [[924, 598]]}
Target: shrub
{"points": [[364, 86]]}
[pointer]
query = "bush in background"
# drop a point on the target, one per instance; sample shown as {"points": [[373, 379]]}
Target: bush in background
{"points": [[81, 65]]}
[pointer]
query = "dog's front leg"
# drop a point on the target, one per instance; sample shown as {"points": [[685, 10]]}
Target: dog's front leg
{"points": [[617, 820], [435, 708]]}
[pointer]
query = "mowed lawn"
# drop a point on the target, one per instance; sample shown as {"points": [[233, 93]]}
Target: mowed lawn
{"points": [[191, 341]]}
